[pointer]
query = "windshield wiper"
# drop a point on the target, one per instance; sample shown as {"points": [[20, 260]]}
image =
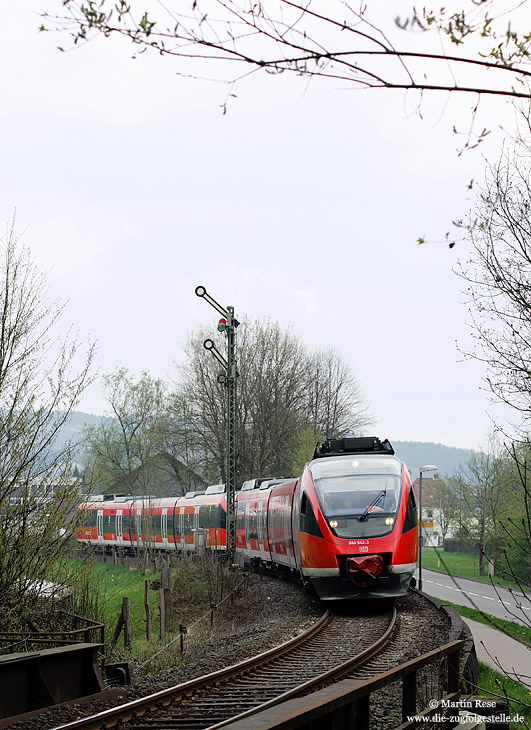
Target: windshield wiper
{"points": [[374, 502]]}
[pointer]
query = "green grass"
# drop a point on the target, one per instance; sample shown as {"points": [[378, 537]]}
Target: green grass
{"points": [[114, 582], [463, 565], [519, 696], [511, 628], [197, 586], [494, 682]]}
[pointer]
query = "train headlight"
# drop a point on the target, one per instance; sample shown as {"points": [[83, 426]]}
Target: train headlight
{"points": [[389, 520], [333, 523]]}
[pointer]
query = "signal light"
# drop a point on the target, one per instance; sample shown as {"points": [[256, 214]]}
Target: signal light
{"points": [[222, 325], [222, 377]]}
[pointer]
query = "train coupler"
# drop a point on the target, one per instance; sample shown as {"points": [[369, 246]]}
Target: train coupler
{"points": [[363, 570]]}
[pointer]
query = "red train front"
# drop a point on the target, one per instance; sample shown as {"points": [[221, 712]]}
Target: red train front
{"points": [[355, 510], [349, 524]]}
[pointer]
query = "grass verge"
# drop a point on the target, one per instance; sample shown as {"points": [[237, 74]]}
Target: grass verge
{"points": [[492, 682], [114, 582], [510, 628], [464, 565], [204, 593]]}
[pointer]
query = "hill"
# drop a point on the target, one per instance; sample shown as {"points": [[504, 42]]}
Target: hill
{"points": [[72, 432], [418, 453], [414, 453]]}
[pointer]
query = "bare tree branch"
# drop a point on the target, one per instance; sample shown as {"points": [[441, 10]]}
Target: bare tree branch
{"points": [[482, 48]]}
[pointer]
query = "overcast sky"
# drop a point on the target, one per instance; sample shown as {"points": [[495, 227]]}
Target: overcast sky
{"points": [[303, 204]]}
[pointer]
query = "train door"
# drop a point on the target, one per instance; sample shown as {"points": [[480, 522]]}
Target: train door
{"points": [[246, 524], [119, 527], [195, 529], [164, 527], [127, 525], [99, 525], [187, 534], [262, 529], [138, 526], [280, 537], [178, 528], [254, 544], [239, 514], [296, 522]]}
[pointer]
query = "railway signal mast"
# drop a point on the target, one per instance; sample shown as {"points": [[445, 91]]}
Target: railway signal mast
{"points": [[227, 376]]}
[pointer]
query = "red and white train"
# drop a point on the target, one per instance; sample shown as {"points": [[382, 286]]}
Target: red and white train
{"points": [[349, 524]]}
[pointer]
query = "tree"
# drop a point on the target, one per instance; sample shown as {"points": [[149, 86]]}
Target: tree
{"points": [[482, 48], [282, 402], [42, 376], [180, 457], [125, 448], [269, 405], [441, 503], [517, 554], [486, 493], [497, 275], [272, 366], [199, 398], [334, 397]]}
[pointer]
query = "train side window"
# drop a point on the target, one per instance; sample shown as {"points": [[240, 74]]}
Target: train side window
{"points": [[89, 518], [308, 520], [411, 518], [188, 523], [222, 518], [213, 515], [174, 525], [204, 515]]}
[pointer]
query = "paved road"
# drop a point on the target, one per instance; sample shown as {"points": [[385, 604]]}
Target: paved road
{"points": [[501, 652], [497, 601]]}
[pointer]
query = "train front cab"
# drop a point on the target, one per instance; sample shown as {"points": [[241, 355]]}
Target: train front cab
{"points": [[357, 533]]}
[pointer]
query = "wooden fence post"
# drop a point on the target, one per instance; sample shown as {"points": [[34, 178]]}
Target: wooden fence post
{"points": [[126, 615], [162, 611], [118, 629], [148, 610], [165, 580], [182, 631]]}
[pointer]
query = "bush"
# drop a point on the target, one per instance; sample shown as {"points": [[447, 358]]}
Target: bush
{"points": [[462, 544]]}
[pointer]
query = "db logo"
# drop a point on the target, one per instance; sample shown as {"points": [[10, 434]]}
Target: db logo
{"points": [[364, 549]]}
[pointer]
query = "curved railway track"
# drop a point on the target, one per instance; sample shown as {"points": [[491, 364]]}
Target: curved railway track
{"points": [[332, 648]]}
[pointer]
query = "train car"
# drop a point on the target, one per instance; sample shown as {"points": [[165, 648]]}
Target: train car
{"points": [[355, 521], [185, 524], [256, 521], [349, 524]]}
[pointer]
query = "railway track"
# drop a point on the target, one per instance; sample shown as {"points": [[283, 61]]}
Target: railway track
{"points": [[334, 647]]}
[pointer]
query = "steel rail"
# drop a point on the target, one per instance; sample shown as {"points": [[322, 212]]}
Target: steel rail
{"points": [[313, 684], [138, 711], [169, 695]]}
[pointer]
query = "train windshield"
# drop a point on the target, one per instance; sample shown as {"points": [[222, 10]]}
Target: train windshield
{"points": [[357, 504]]}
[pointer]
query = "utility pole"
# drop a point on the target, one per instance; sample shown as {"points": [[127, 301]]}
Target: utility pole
{"points": [[422, 469], [227, 377]]}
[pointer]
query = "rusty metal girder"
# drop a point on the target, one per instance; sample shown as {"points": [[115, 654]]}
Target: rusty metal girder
{"points": [[37, 679]]}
